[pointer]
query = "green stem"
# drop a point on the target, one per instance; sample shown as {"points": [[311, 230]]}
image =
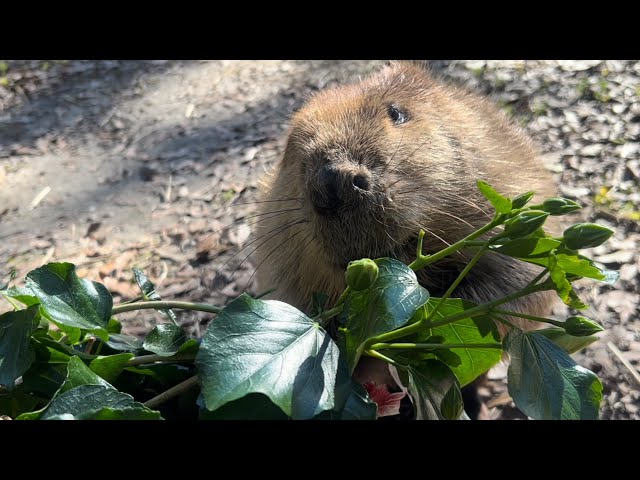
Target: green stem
{"points": [[472, 312], [423, 260], [528, 317], [162, 304], [146, 359], [172, 392], [413, 346], [538, 277], [343, 296], [324, 317], [455, 284], [378, 355]]}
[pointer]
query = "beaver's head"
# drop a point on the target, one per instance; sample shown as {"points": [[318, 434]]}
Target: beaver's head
{"points": [[372, 163]]}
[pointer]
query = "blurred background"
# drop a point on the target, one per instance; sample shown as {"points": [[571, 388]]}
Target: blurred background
{"points": [[118, 164]]}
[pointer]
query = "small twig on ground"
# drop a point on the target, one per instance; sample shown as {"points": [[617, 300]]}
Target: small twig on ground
{"points": [[624, 361]]}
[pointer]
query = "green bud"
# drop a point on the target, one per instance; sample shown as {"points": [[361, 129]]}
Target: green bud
{"points": [[361, 274], [525, 223], [581, 326], [559, 206], [452, 405], [521, 200], [586, 235]]}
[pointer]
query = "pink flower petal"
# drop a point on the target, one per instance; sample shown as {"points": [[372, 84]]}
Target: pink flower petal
{"points": [[388, 403]]}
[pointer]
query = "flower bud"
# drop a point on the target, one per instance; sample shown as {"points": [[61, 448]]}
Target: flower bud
{"points": [[581, 326], [361, 274], [586, 235]]}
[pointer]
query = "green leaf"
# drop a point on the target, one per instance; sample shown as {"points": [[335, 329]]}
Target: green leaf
{"points": [[268, 347], [79, 374], [559, 206], [66, 349], [466, 363], [97, 402], [568, 343], [428, 384], [452, 406], [23, 295], [16, 354], [17, 402], [165, 339], [559, 279], [70, 300], [114, 326], [254, 406], [387, 305], [545, 383], [525, 223], [527, 247], [359, 405], [500, 203], [586, 235], [125, 343], [109, 367], [319, 302], [148, 290], [572, 264], [521, 200]]}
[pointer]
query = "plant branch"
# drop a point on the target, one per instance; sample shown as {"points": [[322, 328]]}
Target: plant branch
{"points": [[324, 317], [378, 355], [414, 346], [172, 392], [527, 317], [455, 284], [146, 359], [472, 312], [162, 304], [424, 260]]}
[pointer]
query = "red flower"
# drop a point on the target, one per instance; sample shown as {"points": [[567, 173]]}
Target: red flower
{"points": [[388, 403]]}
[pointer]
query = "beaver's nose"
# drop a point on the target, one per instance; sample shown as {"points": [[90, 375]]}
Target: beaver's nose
{"points": [[335, 187]]}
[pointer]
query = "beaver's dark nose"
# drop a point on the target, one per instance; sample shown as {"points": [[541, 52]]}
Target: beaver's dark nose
{"points": [[335, 187]]}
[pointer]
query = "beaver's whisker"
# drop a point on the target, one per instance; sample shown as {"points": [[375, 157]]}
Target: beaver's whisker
{"points": [[451, 215], [270, 253], [281, 230], [292, 199], [278, 229]]}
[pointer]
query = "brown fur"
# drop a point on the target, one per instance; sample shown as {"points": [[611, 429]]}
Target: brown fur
{"points": [[421, 174]]}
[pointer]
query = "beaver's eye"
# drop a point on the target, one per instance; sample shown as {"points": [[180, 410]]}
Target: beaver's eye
{"points": [[397, 115]]}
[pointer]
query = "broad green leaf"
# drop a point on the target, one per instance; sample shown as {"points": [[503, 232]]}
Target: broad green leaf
{"points": [[428, 384], [568, 343], [165, 339], [97, 402], [319, 302], [73, 334], [387, 305], [586, 235], [359, 406], [148, 290], [70, 300], [527, 247], [23, 295], [466, 363], [109, 367], [452, 406], [125, 343], [189, 347], [16, 353], [268, 347], [545, 383], [499, 202], [254, 406], [79, 374]]}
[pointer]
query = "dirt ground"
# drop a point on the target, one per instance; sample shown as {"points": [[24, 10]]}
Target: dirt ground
{"points": [[120, 164]]}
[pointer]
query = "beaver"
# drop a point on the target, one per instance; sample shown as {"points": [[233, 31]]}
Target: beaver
{"points": [[367, 165]]}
